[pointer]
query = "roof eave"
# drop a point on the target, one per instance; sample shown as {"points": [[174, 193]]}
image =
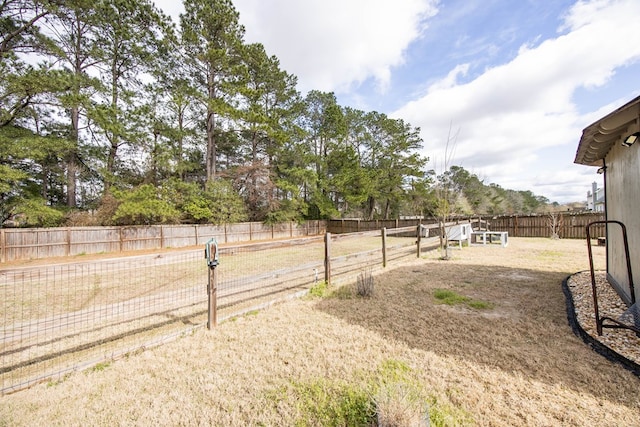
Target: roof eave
{"points": [[598, 138]]}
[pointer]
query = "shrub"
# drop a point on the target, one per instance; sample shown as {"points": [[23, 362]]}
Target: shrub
{"points": [[390, 396], [365, 284], [143, 206], [79, 219], [399, 397], [35, 213], [322, 402], [399, 405], [319, 289]]}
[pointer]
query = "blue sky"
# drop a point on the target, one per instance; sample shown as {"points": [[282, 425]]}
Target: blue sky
{"points": [[515, 81]]}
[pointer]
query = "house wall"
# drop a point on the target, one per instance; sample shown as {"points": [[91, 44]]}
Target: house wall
{"points": [[623, 204], [595, 199]]}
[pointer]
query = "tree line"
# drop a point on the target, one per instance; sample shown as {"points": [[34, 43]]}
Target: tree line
{"points": [[111, 113]]}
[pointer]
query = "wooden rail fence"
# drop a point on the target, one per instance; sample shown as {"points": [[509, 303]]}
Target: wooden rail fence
{"points": [[569, 225]]}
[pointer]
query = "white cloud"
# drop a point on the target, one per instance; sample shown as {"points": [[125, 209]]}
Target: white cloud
{"points": [[582, 13], [451, 80], [332, 45], [510, 112]]}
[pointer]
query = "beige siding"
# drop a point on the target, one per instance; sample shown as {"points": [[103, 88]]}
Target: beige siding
{"points": [[623, 203]]}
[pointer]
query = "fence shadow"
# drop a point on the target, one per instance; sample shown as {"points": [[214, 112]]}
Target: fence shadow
{"points": [[524, 331]]}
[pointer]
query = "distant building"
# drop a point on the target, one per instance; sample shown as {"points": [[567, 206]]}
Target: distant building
{"points": [[595, 198]]}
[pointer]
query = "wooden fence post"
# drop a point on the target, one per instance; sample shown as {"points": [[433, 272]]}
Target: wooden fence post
{"points": [[419, 238], [212, 291], [3, 245], [384, 246], [327, 258], [68, 242]]}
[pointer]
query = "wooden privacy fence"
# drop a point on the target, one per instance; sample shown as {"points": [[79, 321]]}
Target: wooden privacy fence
{"points": [[569, 225], [37, 243]]}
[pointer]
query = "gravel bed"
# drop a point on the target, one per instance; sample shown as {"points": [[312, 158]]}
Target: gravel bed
{"points": [[622, 345]]}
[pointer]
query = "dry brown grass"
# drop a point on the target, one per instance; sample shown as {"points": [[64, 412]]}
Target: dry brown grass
{"points": [[514, 363]]}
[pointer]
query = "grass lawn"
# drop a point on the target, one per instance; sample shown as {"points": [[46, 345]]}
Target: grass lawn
{"points": [[481, 339]]}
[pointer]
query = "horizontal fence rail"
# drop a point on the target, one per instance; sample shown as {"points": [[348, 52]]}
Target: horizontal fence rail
{"points": [[39, 243], [339, 226]]}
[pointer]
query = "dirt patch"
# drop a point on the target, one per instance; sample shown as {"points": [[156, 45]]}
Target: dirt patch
{"points": [[515, 362], [517, 276]]}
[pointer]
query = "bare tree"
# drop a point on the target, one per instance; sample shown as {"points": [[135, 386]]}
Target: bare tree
{"points": [[445, 196], [555, 221]]}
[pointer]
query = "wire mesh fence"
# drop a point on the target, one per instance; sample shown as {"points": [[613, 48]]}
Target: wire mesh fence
{"points": [[250, 276], [60, 318]]}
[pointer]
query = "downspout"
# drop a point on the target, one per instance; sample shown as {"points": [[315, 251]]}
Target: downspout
{"points": [[606, 215], [604, 179]]}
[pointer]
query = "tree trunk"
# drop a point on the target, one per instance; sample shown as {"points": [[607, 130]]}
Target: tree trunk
{"points": [[211, 147], [211, 125], [72, 164], [180, 154], [371, 205], [72, 156], [114, 139]]}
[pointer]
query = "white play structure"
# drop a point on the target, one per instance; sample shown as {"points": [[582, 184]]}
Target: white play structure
{"points": [[464, 232]]}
